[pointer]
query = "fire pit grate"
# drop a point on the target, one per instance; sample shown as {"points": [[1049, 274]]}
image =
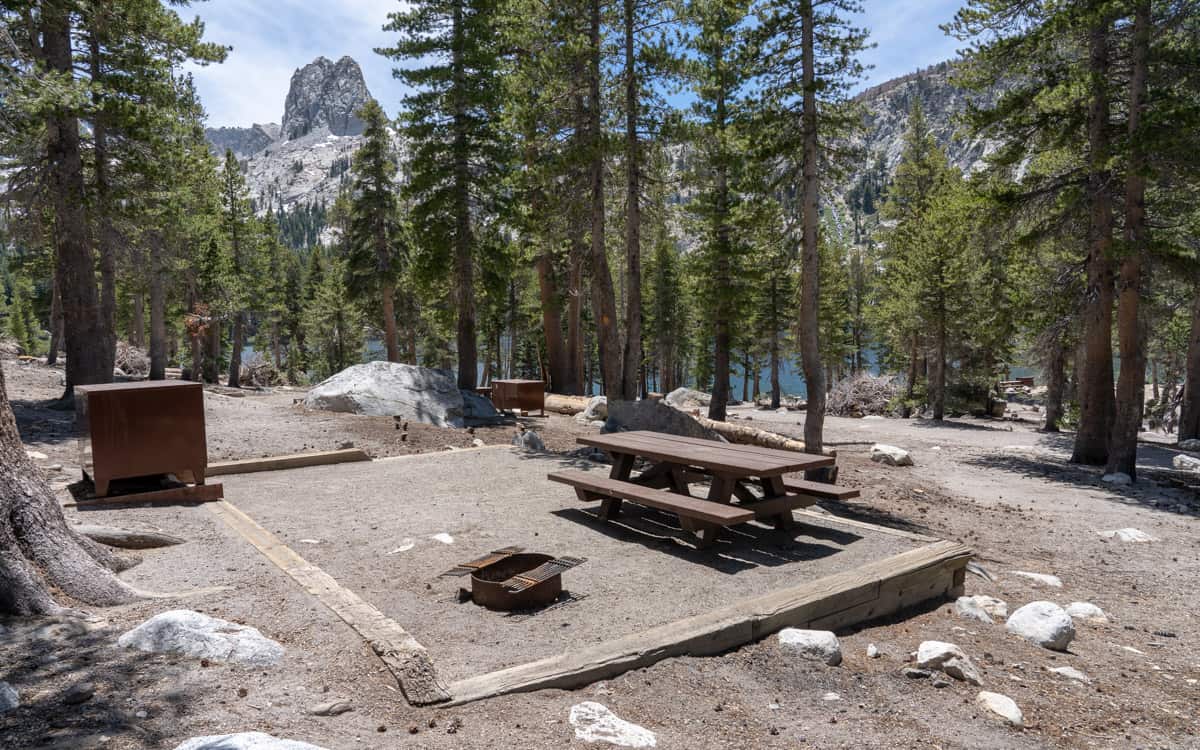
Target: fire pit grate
{"points": [[473, 566], [543, 572]]}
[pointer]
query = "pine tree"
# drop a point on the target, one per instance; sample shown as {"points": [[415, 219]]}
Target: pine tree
{"points": [[458, 153], [237, 225], [376, 255]]}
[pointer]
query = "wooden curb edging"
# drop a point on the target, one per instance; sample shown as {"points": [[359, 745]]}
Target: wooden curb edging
{"points": [[880, 588], [404, 656], [294, 461]]}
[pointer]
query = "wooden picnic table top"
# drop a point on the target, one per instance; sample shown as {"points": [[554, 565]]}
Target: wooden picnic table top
{"points": [[730, 459]]}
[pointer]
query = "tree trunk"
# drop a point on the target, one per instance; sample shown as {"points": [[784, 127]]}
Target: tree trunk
{"points": [[937, 385], [604, 304], [810, 284], [158, 312], [236, 344], [89, 360], [1189, 417], [106, 233], [137, 326], [632, 358], [1056, 361], [722, 340], [391, 337], [1131, 385], [1096, 403], [56, 322], [556, 351], [212, 355], [39, 553], [464, 268]]}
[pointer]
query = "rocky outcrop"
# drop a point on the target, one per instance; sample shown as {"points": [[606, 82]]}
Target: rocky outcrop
{"points": [[325, 95], [244, 142]]}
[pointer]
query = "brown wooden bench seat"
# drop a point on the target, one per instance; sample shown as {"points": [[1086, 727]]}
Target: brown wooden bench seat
{"points": [[588, 483], [820, 489]]}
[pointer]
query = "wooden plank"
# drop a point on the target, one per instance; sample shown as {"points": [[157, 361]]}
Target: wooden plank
{"points": [[820, 489], [192, 493], [750, 455], [684, 505], [294, 461], [404, 656], [724, 628], [712, 456], [774, 506]]}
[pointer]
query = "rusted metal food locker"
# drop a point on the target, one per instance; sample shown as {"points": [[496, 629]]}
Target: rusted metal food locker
{"points": [[529, 395], [129, 430]]}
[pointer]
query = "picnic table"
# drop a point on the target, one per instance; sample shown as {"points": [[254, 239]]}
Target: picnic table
{"points": [[746, 482]]}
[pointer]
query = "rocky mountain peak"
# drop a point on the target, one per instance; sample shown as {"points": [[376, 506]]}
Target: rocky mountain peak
{"points": [[325, 94]]}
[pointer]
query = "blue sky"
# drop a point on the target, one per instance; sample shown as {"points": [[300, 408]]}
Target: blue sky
{"points": [[270, 40]]}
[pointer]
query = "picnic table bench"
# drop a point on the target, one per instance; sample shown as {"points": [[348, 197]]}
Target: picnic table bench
{"points": [[735, 471]]}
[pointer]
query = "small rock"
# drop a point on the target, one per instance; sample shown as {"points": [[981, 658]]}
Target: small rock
{"points": [[820, 645], [1071, 673], [781, 410], [1127, 535], [982, 608], [1002, 706], [405, 545], [36, 455], [1192, 444], [831, 697], [244, 741], [1186, 463], [529, 441], [331, 708], [1086, 611], [9, 698], [199, 636], [913, 673], [345, 445], [890, 455], [80, 692], [1118, 478], [941, 682], [1043, 578], [1043, 623], [593, 722], [872, 651], [948, 658], [478, 443], [442, 537]]}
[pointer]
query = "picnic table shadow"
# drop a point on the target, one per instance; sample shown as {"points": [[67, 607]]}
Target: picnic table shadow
{"points": [[737, 549]]}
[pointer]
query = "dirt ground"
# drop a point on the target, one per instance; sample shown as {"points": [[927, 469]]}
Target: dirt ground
{"points": [[1002, 487]]}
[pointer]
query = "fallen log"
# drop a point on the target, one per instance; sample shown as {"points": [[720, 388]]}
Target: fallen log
{"points": [[746, 435], [127, 538], [568, 405]]}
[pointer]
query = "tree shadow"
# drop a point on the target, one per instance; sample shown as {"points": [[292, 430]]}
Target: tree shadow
{"points": [[956, 424], [38, 422], [44, 658]]}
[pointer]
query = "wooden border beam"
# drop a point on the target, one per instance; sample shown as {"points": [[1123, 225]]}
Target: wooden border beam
{"points": [[873, 590], [404, 656], [294, 461]]}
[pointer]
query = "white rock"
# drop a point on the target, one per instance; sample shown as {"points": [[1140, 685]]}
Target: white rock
{"points": [[981, 607], [596, 410], [890, 455], [1044, 623], [781, 410], [1119, 478], [310, 541], [872, 651], [1127, 535], [831, 697], [1086, 611], [1043, 578], [1186, 463], [1071, 673], [36, 455], [593, 722], [9, 699], [199, 636], [442, 537], [386, 389], [820, 645], [1190, 445], [244, 741], [529, 440], [948, 658], [478, 443], [1002, 706], [405, 545]]}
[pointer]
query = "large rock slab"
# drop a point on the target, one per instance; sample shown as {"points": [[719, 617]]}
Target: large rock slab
{"points": [[1192, 444], [687, 399], [9, 698], [948, 658], [654, 416], [1044, 623], [387, 389], [199, 636], [1186, 463], [244, 741], [593, 722], [819, 645]]}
